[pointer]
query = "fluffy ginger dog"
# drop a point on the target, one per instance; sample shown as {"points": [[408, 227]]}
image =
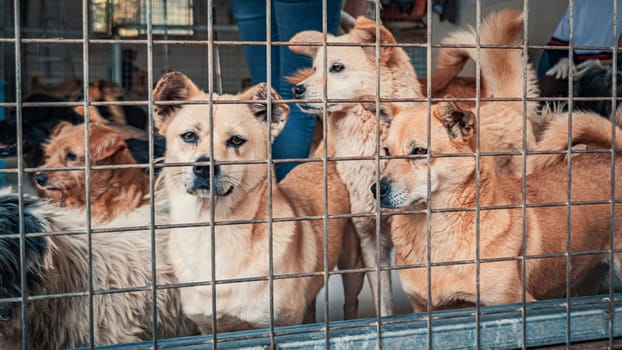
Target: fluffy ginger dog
{"points": [[113, 191]]}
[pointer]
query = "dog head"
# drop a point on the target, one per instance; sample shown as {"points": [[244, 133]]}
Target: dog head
{"points": [[404, 181], [65, 148], [351, 69], [237, 132]]}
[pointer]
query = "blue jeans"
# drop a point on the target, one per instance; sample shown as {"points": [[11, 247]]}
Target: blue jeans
{"points": [[289, 17]]}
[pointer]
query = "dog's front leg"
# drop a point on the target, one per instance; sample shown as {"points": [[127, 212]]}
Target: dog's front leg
{"points": [[351, 258], [385, 276], [365, 230], [309, 316]]}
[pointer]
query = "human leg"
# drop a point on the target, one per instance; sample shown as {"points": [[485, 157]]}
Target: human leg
{"points": [[293, 17], [250, 16]]}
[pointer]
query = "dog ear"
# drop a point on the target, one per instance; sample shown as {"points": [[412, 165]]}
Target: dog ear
{"points": [[173, 86], [59, 128], [104, 142], [280, 111], [460, 124], [365, 32], [308, 36], [386, 111]]}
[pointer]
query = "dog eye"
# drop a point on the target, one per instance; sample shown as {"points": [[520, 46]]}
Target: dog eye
{"points": [[419, 151], [190, 137], [337, 67], [70, 157], [386, 151], [235, 141]]}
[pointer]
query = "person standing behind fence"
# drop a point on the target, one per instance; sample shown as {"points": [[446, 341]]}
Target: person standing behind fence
{"points": [[592, 26], [288, 17]]}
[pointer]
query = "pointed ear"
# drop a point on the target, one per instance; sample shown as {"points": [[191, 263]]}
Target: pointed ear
{"points": [[280, 111], [104, 142], [173, 86], [308, 36], [365, 32], [59, 128], [386, 111], [460, 124]]}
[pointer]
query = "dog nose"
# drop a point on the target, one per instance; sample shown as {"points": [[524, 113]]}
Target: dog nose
{"points": [[384, 188], [203, 170], [41, 179], [299, 91]]}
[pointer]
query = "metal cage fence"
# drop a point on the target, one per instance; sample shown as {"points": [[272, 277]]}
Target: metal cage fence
{"points": [[564, 321]]}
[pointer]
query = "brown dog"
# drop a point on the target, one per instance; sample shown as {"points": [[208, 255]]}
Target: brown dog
{"points": [[113, 191], [452, 184], [238, 132], [352, 127]]}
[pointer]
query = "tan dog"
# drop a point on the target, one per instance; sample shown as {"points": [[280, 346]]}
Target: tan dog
{"points": [[452, 184], [352, 128], [113, 191], [241, 192]]}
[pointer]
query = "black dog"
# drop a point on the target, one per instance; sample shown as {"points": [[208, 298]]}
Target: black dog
{"points": [[597, 82], [38, 123], [35, 247]]}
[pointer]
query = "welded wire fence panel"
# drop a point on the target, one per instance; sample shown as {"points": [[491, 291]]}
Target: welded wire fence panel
{"points": [[231, 257]]}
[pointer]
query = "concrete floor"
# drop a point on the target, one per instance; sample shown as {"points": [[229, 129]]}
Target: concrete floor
{"points": [[401, 304]]}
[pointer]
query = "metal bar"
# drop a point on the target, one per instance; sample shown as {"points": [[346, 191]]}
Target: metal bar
{"points": [[269, 166], [152, 215], [212, 201], [428, 211], [524, 180], [325, 169], [288, 101], [499, 325], [612, 230], [285, 43], [87, 169], [311, 274], [478, 92], [569, 187], [377, 211], [20, 173]]}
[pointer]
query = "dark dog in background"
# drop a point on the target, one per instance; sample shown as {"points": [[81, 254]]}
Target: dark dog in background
{"points": [[596, 81], [38, 123], [59, 264]]}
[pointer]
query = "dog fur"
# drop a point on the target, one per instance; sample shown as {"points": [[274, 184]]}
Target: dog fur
{"points": [[59, 264], [352, 128], [113, 191], [452, 184], [502, 122], [240, 192]]}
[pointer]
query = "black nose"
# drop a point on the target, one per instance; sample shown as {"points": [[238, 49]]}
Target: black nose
{"points": [[299, 91], [384, 188], [41, 179], [203, 170]]}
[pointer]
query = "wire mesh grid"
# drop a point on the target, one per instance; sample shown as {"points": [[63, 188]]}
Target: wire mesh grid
{"points": [[379, 327]]}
